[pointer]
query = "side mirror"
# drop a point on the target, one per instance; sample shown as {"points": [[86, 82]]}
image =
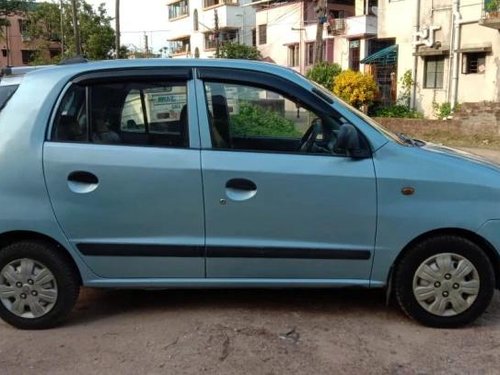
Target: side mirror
{"points": [[349, 140]]}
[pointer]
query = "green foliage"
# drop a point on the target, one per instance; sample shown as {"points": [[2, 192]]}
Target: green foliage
{"points": [[402, 108], [253, 120], [398, 111], [10, 7], [443, 110], [96, 33], [492, 6], [13, 6], [407, 83], [324, 73], [355, 88], [230, 50]]}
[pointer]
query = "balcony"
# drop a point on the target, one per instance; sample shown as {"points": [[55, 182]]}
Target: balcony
{"points": [[180, 46], [360, 26], [353, 27], [215, 3], [491, 14]]}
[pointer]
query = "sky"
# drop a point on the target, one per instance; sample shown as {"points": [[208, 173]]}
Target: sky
{"points": [[137, 17]]}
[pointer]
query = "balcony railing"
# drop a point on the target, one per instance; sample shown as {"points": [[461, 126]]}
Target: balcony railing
{"points": [[353, 26], [336, 26]]}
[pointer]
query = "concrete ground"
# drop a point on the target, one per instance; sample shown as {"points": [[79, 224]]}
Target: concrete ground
{"points": [[249, 332]]}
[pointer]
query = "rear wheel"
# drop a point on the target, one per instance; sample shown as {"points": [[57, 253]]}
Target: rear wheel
{"points": [[38, 287], [444, 282]]}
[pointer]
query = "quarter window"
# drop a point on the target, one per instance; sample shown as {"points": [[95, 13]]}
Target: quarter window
{"points": [[131, 113]]}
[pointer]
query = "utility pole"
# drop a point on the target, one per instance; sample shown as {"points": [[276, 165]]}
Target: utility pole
{"points": [[117, 27], [62, 29], [146, 44], [216, 33], [76, 29], [318, 45]]}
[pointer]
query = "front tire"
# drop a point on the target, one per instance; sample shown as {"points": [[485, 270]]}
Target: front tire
{"points": [[444, 282], [38, 286]]}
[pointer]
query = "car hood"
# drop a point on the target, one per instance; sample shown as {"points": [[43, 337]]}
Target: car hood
{"points": [[462, 155]]}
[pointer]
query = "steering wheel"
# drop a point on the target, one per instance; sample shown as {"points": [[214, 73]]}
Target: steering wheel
{"points": [[309, 137]]}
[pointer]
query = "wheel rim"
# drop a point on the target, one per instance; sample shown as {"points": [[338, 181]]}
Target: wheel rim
{"points": [[28, 289], [446, 284]]}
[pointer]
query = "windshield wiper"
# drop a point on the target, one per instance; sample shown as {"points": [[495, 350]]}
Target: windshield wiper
{"points": [[410, 141]]}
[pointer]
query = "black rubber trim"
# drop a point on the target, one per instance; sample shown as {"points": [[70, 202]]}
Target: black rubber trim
{"points": [[269, 82], [276, 252], [135, 250], [126, 74], [131, 250]]}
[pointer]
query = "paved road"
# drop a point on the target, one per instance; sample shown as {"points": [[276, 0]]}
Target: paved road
{"points": [[249, 332]]}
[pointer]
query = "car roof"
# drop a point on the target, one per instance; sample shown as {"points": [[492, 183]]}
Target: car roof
{"points": [[57, 72], [13, 75]]}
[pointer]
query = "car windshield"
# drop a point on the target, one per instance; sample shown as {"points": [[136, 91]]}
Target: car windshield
{"points": [[5, 94], [361, 115]]}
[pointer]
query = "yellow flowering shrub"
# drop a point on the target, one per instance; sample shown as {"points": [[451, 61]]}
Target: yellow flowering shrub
{"points": [[355, 88]]}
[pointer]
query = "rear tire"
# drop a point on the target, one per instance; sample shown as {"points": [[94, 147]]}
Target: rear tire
{"points": [[38, 286], [444, 282]]}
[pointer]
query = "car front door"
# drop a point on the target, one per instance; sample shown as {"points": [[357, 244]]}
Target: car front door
{"points": [[277, 206], [122, 167]]}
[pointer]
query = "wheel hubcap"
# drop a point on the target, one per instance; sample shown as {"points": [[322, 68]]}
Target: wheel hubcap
{"points": [[446, 284], [27, 288]]}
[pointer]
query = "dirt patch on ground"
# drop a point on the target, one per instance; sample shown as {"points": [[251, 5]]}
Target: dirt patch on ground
{"points": [[248, 331]]}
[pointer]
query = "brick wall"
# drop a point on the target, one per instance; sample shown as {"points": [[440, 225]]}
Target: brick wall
{"points": [[472, 118]]}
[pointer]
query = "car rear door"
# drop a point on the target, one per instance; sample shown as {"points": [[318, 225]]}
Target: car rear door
{"points": [[122, 167], [273, 212]]}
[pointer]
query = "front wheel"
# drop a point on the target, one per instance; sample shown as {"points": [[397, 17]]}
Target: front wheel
{"points": [[38, 287], [444, 282]]}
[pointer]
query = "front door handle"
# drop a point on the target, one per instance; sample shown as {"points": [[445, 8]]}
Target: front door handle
{"points": [[241, 184], [240, 189], [82, 182]]}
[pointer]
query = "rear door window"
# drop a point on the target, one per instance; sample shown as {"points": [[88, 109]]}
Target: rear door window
{"points": [[6, 93]]}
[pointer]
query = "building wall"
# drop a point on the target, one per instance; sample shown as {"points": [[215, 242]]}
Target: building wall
{"points": [[13, 42], [232, 16], [295, 23], [471, 87]]}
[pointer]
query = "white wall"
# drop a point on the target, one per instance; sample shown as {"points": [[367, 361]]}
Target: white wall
{"points": [[396, 19]]}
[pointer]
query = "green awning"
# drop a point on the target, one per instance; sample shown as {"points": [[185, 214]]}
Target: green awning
{"points": [[385, 56]]}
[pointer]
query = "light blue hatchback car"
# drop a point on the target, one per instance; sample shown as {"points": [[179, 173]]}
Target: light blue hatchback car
{"points": [[224, 173]]}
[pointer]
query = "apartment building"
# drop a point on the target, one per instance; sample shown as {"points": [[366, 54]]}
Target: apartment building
{"points": [[192, 25], [17, 48], [286, 32], [452, 48]]}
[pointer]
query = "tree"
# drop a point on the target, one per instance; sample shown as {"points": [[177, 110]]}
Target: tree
{"points": [[356, 88], [10, 7], [231, 50], [324, 73], [97, 35]]}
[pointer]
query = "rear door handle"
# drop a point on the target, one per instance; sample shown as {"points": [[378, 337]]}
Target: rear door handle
{"points": [[82, 182], [241, 184]]}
